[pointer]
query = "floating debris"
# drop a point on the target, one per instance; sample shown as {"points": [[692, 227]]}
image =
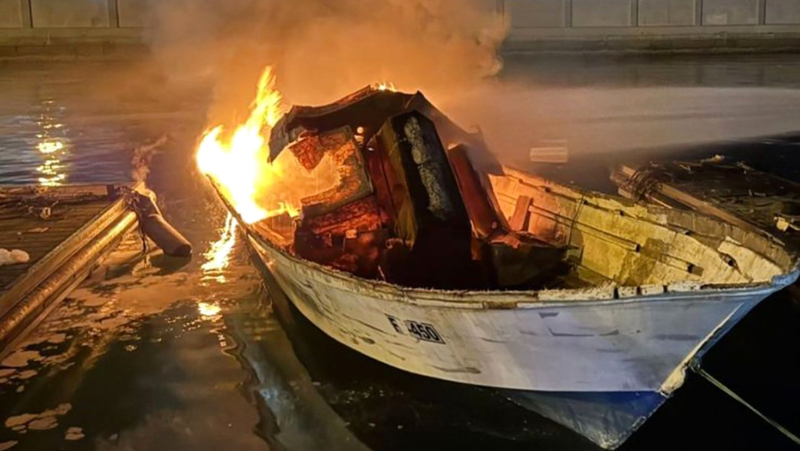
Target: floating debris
{"points": [[20, 420], [714, 160], [13, 257], [74, 434], [43, 424], [20, 359], [37, 422]]}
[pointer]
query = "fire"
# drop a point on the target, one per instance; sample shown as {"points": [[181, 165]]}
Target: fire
{"points": [[238, 164], [386, 86]]}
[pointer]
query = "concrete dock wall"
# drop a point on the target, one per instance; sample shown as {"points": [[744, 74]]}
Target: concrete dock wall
{"points": [[651, 24], [534, 25], [574, 14]]}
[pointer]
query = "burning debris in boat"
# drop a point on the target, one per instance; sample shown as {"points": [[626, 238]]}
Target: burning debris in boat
{"points": [[379, 184]]}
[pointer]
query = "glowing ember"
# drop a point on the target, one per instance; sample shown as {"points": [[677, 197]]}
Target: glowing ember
{"points": [[220, 253], [237, 164]]}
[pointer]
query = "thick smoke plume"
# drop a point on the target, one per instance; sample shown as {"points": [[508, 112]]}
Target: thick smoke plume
{"points": [[324, 49]]}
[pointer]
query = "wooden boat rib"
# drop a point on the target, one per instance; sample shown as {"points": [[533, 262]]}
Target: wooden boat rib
{"points": [[649, 289]]}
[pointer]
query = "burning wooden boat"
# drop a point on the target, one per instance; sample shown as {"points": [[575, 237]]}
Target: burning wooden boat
{"points": [[425, 254]]}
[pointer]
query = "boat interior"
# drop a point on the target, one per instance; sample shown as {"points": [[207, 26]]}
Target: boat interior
{"points": [[615, 241], [418, 202]]}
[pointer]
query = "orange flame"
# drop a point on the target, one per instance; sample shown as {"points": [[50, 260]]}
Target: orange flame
{"points": [[237, 164]]}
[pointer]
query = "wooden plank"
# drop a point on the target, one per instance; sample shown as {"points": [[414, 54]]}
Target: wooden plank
{"points": [[83, 222], [695, 203], [522, 212], [20, 232], [72, 208]]}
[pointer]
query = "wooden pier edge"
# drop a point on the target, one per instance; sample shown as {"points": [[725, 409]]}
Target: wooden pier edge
{"points": [[52, 278]]}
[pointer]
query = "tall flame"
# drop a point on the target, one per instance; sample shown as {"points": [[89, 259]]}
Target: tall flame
{"points": [[256, 188], [237, 163]]}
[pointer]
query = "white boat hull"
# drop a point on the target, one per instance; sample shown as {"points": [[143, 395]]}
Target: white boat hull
{"points": [[640, 344], [600, 368]]}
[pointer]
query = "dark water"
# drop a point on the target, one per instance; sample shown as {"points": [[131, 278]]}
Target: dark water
{"points": [[153, 353]]}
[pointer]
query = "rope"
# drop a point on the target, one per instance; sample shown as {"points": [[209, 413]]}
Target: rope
{"points": [[131, 201], [696, 368], [645, 181]]}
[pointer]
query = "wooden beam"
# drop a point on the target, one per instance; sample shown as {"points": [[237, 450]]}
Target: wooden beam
{"points": [[522, 213], [693, 202]]}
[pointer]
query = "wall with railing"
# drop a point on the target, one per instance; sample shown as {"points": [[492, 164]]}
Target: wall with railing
{"points": [[670, 21], [576, 14], [528, 20], [50, 14]]}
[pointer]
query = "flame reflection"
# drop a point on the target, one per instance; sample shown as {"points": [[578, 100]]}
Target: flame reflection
{"points": [[52, 149], [219, 255], [208, 309]]}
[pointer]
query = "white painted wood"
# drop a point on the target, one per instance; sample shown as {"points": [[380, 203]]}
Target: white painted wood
{"points": [[569, 345]]}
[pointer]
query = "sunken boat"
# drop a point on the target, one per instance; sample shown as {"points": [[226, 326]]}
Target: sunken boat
{"points": [[428, 255]]}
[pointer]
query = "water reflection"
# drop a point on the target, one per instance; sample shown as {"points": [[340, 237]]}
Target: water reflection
{"points": [[207, 309], [219, 255], [53, 147]]}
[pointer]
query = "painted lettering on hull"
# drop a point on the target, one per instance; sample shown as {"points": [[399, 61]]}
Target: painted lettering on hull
{"points": [[416, 329]]}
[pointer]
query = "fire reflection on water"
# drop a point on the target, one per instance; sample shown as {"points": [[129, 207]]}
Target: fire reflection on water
{"points": [[52, 149], [208, 309], [218, 258], [219, 255]]}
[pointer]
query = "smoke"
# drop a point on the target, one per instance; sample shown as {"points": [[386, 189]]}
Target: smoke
{"points": [[514, 118], [143, 156], [323, 49]]}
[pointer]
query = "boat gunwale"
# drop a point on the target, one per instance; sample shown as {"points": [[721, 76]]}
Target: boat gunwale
{"points": [[510, 300], [579, 194]]}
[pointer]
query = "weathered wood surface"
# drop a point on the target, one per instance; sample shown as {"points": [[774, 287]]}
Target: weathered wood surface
{"points": [[65, 230], [30, 232]]}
